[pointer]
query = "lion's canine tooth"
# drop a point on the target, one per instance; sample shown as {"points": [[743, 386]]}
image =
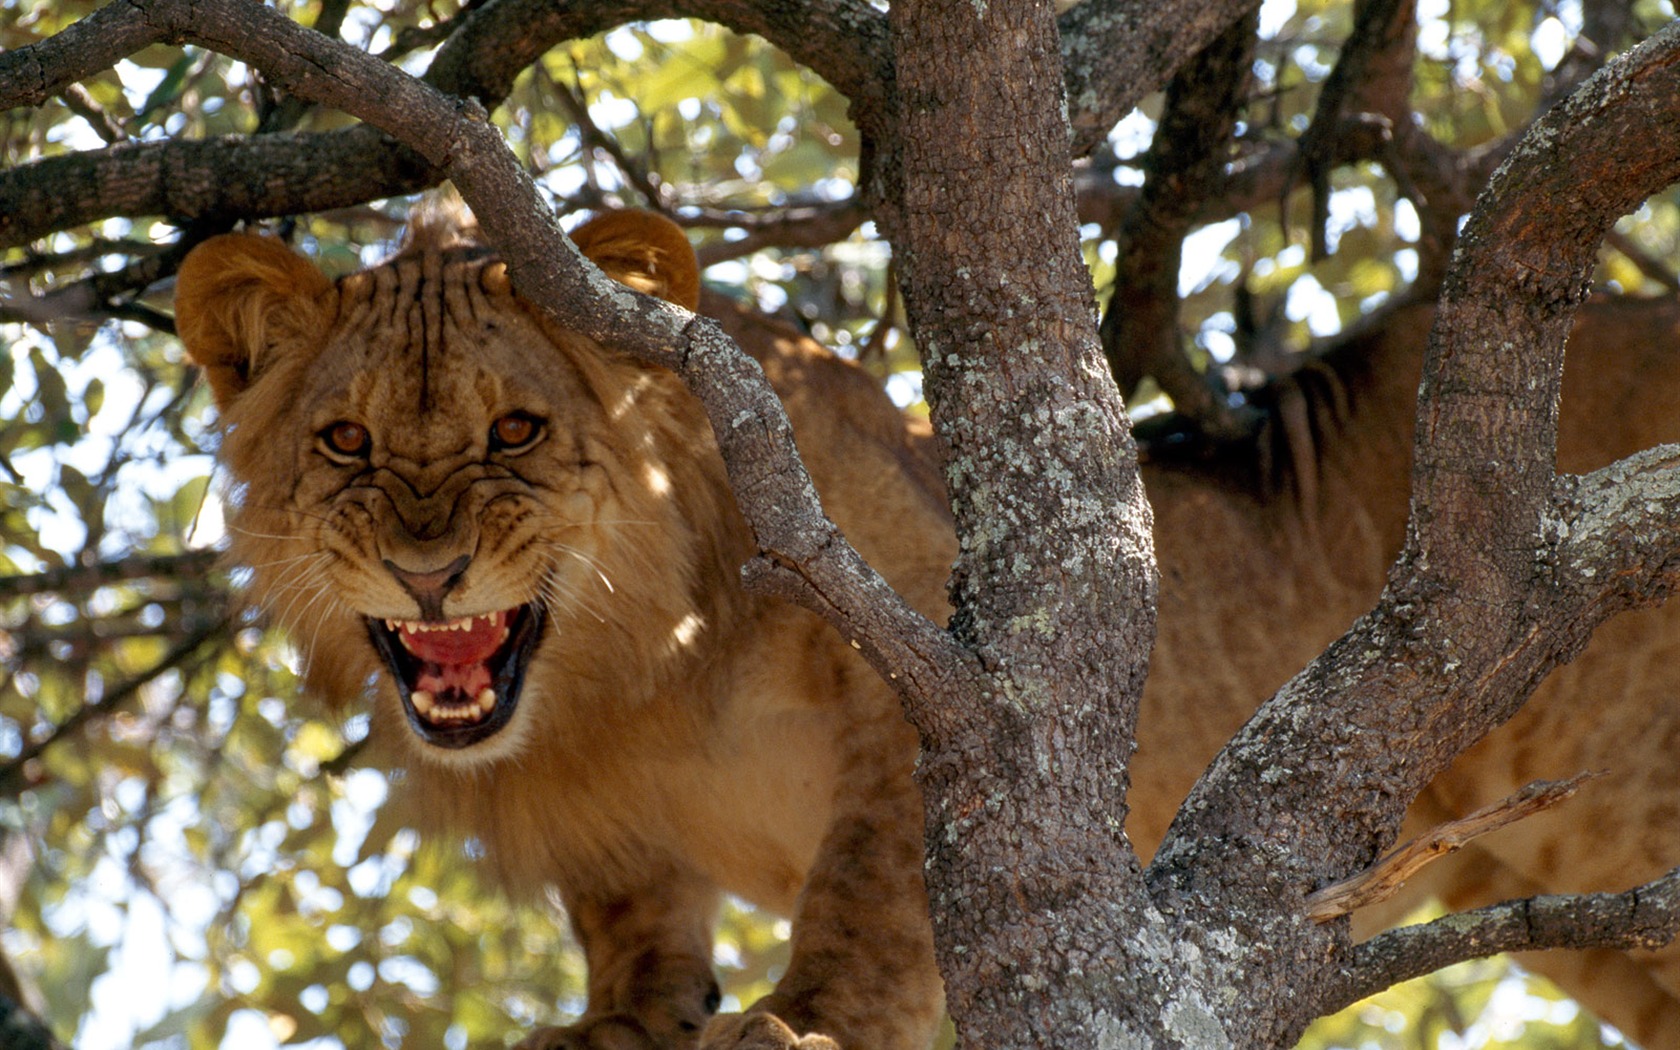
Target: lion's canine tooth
{"points": [[486, 700], [421, 700]]}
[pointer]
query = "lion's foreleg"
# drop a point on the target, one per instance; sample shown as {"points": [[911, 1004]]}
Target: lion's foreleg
{"points": [[862, 974], [649, 952]]}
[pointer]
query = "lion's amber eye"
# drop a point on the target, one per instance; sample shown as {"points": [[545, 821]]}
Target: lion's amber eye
{"points": [[345, 438], [515, 432]]}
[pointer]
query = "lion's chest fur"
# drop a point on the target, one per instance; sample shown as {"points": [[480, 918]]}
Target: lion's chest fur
{"points": [[730, 773]]}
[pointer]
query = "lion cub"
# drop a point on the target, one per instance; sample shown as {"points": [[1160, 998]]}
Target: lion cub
{"points": [[528, 540]]}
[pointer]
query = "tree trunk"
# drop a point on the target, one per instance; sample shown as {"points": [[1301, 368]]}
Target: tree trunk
{"points": [[1045, 934]]}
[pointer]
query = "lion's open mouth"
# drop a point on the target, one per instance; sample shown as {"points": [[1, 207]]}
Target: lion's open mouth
{"points": [[459, 679]]}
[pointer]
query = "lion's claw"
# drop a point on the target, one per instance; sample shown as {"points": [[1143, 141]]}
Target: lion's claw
{"points": [[759, 1031]]}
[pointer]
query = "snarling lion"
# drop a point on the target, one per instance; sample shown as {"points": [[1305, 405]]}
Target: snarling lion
{"points": [[529, 539]]}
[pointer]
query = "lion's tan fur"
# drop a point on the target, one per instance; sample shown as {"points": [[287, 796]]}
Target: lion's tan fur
{"points": [[677, 736], [683, 736]]}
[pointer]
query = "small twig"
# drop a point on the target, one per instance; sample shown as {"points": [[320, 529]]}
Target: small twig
{"points": [[409, 39], [875, 346], [576, 104], [81, 636], [87, 577], [33, 262], [114, 293], [15, 775], [1605, 28], [1384, 878], [1647, 264], [82, 104], [342, 762], [804, 226]]}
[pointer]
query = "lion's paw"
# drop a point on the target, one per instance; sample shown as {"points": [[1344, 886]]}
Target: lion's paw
{"points": [[611, 1032], [759, 1031]]}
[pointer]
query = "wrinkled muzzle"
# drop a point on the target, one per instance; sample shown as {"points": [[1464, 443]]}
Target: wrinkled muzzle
{"points": [[459, 678]]}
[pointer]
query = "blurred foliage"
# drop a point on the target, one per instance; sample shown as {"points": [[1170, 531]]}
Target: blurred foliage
{"points": [[192, 859], [1486, 1004]]}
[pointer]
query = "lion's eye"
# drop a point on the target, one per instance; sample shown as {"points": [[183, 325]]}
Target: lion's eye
{"points": [[346, 439], [515, 432]]}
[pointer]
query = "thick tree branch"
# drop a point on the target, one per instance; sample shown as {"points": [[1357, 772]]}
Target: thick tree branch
{"points": [[269, 175], [1115, 52], [1645, 917], [1485, 469], [842, 41], [217, 180], [1620, 532], [1490, 592], [1186, 162], [31, 75], [1052, 528]]}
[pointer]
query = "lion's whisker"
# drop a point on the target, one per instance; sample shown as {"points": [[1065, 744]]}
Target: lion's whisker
{"points": [[252, 533]]}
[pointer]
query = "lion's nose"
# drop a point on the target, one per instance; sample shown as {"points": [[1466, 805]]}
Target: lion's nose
{"points": [[430, 588]]}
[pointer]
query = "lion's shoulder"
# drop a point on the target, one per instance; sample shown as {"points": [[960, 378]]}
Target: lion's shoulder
{"points": [[875, 468]]}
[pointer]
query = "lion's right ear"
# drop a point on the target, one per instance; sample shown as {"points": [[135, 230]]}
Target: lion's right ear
{"points": [[644, 250], [239, 295]]}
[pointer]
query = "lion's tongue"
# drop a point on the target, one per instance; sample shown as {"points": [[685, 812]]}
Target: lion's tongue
{"points": [[455, 658], [468, 640]]}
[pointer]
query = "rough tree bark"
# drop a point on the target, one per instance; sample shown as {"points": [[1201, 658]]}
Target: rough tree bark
{"points": [[1054, 584]]}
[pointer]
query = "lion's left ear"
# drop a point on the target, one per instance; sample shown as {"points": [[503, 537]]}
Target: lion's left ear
{"points": [[648, 252]]}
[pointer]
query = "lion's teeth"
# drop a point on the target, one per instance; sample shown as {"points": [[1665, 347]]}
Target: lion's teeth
{"points": [[407, 629], [486, 701], [423, 701]]}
